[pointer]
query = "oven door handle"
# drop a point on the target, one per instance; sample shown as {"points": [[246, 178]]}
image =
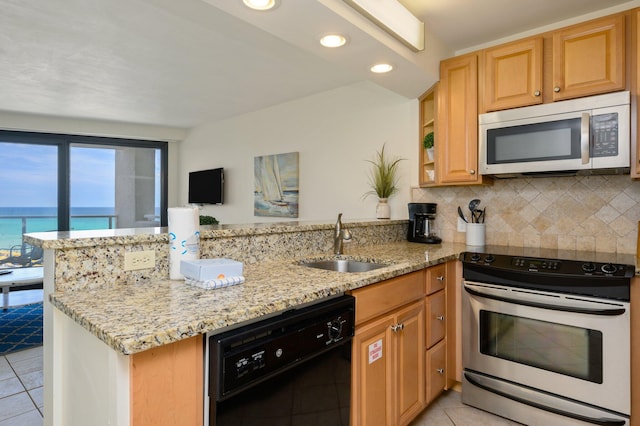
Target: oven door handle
{"points": [[542, 301]]}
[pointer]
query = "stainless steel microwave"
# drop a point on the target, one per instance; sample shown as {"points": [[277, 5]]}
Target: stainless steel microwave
{"points": [[582, 136]]}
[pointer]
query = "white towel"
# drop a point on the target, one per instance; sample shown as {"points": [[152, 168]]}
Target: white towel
{"points": [[212, 284]]}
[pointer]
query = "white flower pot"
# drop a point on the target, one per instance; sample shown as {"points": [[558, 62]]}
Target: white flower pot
{"points": [[430, 154], [383, 211]]}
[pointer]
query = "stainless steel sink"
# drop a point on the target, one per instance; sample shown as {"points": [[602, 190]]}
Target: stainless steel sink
{"points": [[343, 265]]}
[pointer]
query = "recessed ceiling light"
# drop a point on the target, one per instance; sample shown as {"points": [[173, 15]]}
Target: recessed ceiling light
{"points": [[381, 68], [260, 4], [333, 40]]}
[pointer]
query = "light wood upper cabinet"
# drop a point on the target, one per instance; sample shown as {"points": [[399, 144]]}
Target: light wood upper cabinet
{"points": [[635, 93], [589, 58], [513, 74], [428, 117], [457, 156]]}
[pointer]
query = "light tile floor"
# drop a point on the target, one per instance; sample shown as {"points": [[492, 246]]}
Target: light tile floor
{"points": [[448, 410], [21, 398]]}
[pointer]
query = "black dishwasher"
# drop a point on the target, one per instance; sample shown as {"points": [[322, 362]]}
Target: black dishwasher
{"points": [[291, 369]]}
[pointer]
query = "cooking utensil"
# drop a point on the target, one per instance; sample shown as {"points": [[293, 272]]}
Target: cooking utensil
{"points": [[462, 215], [475, 216], [473, 205], [478, 216]]}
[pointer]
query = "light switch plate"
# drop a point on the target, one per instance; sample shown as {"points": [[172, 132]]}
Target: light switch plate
{"points": [[134, 260], [462, 225]]}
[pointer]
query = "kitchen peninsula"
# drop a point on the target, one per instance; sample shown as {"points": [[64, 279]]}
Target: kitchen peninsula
{"points": [[101, 317], [104, 324]]}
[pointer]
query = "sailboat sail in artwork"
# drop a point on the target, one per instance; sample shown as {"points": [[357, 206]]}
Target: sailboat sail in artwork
{"points": [[270, 180]]}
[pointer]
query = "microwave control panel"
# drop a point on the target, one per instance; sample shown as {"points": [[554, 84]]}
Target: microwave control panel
{"points": [[604, 135]]}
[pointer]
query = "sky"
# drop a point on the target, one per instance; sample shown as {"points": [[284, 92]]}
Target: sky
{"points": [[28, 176]]}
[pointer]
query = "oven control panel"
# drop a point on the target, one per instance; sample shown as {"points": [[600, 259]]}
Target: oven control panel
{"points": [[548, 266]]}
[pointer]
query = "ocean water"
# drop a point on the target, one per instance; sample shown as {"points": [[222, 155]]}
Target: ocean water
{"points": [[42, 219]]}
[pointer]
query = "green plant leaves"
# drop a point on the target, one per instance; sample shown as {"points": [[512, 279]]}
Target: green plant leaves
{"points": [[382, 176]]}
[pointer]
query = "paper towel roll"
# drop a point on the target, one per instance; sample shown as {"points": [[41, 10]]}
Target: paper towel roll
{"points": [[184, 237]]}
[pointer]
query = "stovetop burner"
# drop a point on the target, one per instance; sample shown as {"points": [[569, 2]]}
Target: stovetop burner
{"points": [[589, 278]]}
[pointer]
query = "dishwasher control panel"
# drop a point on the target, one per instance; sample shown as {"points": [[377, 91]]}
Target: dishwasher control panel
{"points": [[242, 357]]}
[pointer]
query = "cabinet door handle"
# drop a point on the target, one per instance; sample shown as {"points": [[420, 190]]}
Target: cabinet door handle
{"points": [[397, 327], [440, 278], [472, 172], [536, 93], [556, 89], [440, 370], [440, 317]]}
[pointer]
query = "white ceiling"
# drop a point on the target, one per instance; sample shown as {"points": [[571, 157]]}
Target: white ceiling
{"points": [[183, 63]]}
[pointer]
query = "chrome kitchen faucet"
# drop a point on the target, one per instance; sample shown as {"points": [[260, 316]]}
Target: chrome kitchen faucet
{"points": [[339, 235]]}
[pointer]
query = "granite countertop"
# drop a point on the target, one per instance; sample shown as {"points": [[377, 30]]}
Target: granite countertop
{"points": [[132, 318]]}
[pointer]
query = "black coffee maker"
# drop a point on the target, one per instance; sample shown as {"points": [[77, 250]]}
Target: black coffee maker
{"points": [[422, 218]]}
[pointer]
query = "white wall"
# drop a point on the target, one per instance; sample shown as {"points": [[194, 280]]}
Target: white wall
{"points": [[334, 132]]}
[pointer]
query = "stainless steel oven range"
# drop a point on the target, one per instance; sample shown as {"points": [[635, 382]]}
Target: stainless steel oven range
{"points": [[546, 341]]}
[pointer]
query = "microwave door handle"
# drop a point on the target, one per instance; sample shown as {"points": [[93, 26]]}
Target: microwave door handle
{"points": [[584, 137]]}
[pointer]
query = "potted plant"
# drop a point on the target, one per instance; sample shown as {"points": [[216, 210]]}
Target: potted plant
{"points": [[208, 220], [383, 181], [428, 145]]}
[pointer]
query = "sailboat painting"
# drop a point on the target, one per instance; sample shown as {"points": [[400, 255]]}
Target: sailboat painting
{"points": [[276, 185]]}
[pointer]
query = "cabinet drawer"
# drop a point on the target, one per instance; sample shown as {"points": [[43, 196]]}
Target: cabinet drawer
{"points": [[436, 278], [436, 319], [436, 374], [377, 299]]}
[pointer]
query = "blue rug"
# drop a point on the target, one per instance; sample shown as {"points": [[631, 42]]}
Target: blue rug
{"points": [[20, 328]]}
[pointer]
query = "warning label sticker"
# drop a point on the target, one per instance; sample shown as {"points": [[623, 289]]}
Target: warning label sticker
{"points": [[375, 351]]}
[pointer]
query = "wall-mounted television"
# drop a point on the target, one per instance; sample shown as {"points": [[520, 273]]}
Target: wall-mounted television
{"points": [[206, 186]]}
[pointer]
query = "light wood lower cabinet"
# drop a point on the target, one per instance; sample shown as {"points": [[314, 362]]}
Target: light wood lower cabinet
{"points": [[635, 351], [436, 329], [436, 318], [410, 362], [436, 370], [388, 386], [399, 360], [388, 366], [167, 384]]}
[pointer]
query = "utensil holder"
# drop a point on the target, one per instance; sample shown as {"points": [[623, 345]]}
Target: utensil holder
{"points": [[475, 234]]}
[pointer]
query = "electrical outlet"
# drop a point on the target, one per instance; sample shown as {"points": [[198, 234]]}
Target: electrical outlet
{"points": [[462, 225], [134, 260]]}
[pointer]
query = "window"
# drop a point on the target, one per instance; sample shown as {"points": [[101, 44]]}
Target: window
{"points": [[60, 182]]}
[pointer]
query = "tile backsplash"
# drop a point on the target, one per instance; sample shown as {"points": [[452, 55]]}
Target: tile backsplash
{"points": [[569, 213]]}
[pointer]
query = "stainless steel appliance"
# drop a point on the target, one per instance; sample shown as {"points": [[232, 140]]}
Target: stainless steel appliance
{"points": [[294, 368], [546, 341], [578, 136], [422, 223]]}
